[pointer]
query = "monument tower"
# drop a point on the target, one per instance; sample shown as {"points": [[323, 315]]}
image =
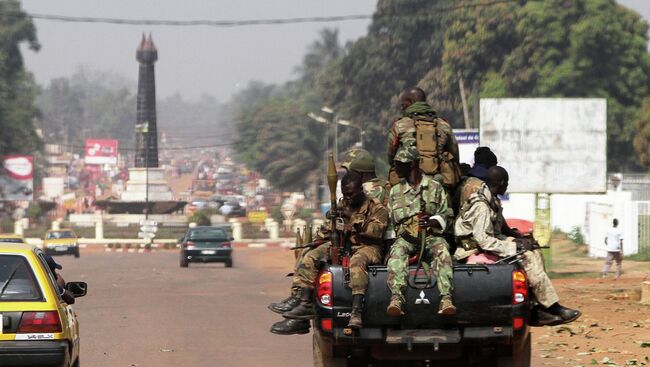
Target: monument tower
{"points": [[146, 141]]}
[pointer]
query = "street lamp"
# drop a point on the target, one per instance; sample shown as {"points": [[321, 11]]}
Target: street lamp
{"points": [[337, 121]]}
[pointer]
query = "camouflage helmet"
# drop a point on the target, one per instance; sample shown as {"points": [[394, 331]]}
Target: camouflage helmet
{"points": [[407, 154], [359, 160]]}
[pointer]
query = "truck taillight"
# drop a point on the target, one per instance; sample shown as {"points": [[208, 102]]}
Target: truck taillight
{"points": [[40, 322], [519, 287], [188, 245], [324, 289]]}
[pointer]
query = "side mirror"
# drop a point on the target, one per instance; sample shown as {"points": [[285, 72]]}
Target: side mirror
{"points": [[78, 289]]}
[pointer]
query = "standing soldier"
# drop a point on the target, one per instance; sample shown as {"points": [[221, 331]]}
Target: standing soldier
{"points": [[478, 230], [420, 126], [410, 219], [365, 221]]}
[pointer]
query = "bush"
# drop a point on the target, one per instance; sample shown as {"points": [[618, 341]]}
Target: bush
{"points": [[576, 235], [201, 217]]}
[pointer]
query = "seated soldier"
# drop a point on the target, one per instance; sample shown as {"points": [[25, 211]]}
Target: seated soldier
{"points": [[478, 230], [365, 222], [405, 203]]}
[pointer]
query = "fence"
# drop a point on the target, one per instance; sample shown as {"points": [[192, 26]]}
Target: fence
{"points": [[643, 215]]}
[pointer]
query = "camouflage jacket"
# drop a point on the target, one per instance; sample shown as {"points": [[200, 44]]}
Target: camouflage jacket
{"points": [[404, 205], [478, 226], [402, 132], [468, 187], [368, 223], [377, 189]]}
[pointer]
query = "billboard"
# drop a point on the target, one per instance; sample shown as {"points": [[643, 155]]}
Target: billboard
{"points": [[17, 178], [101, 151], [468, 141], [548, 145]]}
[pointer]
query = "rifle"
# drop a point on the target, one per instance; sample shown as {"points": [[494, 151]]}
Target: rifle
{"points": [[332, 181], [422, 234], [311, 244]]}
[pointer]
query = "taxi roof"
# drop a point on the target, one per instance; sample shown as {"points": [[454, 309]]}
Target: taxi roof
{"points": [[10, 235], [16, 247]]}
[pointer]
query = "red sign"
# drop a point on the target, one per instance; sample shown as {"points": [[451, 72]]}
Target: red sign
{"points": [[101, 151], [16, 177]]}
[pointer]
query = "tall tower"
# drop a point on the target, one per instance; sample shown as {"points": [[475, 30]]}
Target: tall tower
{"points": [[146, 139]]}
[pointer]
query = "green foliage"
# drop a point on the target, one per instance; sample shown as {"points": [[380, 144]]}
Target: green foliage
{"points": [[34, 212], [576, 235], [17, 87], [642, 139], [201, 218]]}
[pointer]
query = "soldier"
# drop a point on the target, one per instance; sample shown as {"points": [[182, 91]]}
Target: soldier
{"points": [[361, 161], [478, 230], [439, 155], [405, 206], [365, 222]]}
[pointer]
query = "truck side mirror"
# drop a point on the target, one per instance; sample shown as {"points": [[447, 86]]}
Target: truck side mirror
{"points": [[78, 289]]}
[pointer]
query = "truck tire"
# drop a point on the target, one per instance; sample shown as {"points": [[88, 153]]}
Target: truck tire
{"points": [[323, 353], [520, 358]]}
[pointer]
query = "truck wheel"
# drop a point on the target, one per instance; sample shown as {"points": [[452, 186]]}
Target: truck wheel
{"points": [[323, 353], [520, 358], [184, 262]]}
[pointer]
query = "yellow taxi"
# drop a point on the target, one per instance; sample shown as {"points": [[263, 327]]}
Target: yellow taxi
{"points": [[61, 242], [38, 327], [11, 238]]}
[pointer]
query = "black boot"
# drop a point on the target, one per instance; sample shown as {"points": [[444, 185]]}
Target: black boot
{"points": [[567, 314], [357, 310], [305, 310], [287, 304], [540, 317], [290, 327]]}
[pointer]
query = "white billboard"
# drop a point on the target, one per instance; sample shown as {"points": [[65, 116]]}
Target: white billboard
{"points": [[548, 145]]}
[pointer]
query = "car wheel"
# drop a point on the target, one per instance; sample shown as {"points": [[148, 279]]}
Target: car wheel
{"points": [[76, 252], [520, 358], [184, 262], [229, 263], [322, 350]]}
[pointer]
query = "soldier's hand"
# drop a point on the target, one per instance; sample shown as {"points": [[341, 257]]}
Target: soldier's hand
{"points": [[428, 222], [346, 213]]}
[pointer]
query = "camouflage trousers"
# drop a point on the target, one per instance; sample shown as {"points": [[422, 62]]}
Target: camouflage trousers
{"points": [[306, 269], [441, 266], [540, 284]]}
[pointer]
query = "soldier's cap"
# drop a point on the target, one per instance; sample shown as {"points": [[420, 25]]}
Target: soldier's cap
{"points": [[407, 154], [359, 160]]}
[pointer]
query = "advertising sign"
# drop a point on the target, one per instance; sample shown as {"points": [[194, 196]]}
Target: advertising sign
{"points": [[17, 178], [468, 141], [257, 216], [101, 151]]}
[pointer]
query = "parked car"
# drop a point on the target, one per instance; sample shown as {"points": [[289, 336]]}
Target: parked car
{"points": [[206, 244], [38, 327], [11, 238], [61, 242]]}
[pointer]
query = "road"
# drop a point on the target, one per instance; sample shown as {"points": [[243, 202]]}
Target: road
{"points": [[144, 310]]}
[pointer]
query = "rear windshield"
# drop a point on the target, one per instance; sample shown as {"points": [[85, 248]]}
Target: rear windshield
{"points": [[17, 282], [11, 240], [208, 234], [60, 234]]}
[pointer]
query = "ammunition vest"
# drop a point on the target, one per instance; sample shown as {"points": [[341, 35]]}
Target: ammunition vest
{"points": [[430, 142]]}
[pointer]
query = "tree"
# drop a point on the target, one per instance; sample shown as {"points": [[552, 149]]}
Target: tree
{"points": [[642, 139], [17, 87]]}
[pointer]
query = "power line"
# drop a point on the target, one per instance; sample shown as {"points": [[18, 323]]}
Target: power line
{"points": [[247, 22], [159, 149]]}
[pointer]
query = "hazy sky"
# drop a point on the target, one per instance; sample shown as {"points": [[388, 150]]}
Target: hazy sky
{"points": [[193, 60]]}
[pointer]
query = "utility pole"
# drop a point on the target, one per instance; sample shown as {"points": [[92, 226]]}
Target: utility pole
{"points": [[464, 100], [475, 104]]}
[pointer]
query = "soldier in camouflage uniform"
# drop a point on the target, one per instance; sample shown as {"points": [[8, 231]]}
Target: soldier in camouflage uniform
{"points": [[402, 131], [478, 229], [361, 161], [404, 204], [365, 222]]}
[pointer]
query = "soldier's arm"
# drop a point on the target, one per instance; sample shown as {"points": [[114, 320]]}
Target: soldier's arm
{"points": [[438, 206], [393, 142], [479, 216], [376, 223]]}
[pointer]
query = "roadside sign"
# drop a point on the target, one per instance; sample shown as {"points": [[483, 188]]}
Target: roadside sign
{"points": [[257, 216], [149, 229], [146, 235], [148, 223]]}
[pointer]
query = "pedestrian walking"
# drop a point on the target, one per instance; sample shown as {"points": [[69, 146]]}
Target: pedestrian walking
{"points": [[614, 244]]}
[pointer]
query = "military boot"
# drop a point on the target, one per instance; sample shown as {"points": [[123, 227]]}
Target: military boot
{"points": [[357, 309], [567, 314], [305, 310], [290, 327], [396, 306], [286, 304], [539, 317], [446, 306]]}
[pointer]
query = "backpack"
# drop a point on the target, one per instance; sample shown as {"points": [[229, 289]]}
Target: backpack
{"points": [[430, 142]]}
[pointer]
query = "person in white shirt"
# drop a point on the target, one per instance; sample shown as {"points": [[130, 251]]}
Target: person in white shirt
{"points": [[614, 244]]}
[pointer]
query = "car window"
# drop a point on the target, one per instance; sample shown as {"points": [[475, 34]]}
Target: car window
{"points": [[50, 276], [208, 233], [60, 234], [11, 240], [17, 280]]}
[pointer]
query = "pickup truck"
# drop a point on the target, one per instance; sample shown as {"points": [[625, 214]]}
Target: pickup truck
{"points": [[491, 327]]}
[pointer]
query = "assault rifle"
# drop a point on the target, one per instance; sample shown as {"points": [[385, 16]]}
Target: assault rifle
{"points": [[332, 181]]}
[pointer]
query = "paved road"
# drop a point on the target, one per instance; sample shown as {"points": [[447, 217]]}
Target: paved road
{"points": [[144, 310]]}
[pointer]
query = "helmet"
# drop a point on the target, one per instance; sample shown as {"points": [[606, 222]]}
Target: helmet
{"points": [[407, 154], [359, 160]]}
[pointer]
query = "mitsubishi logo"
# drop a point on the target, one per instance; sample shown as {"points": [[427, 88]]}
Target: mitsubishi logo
{"points": [[422, 299]]}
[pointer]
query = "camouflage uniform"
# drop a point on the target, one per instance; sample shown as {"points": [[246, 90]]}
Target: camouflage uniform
{"points": [[478, 228], [368, 225], [405, 209], [376, 188]]}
